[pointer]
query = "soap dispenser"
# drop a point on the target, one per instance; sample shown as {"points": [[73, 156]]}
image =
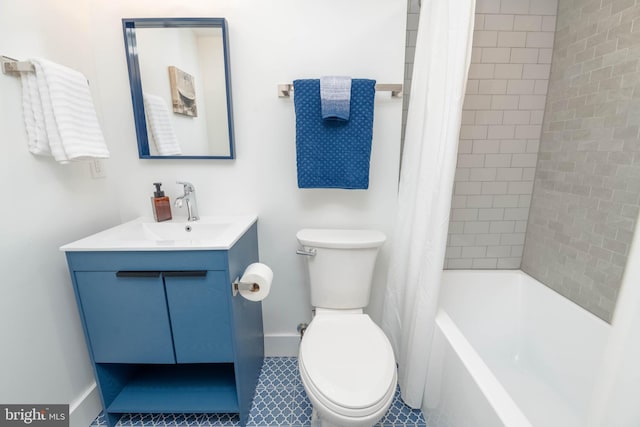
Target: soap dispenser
{"points": [[160, 204]]}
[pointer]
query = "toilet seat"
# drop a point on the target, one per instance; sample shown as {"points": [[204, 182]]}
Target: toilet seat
{"points": [[347, 364]]}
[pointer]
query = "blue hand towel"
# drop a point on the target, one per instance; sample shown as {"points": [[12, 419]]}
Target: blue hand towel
{"points": [[331, 153], [335, 97]]}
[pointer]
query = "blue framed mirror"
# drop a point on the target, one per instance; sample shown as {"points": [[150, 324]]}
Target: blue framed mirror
{"points": [[180, 87]]}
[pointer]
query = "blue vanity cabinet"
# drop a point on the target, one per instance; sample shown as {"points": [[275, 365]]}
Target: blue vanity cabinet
{"points": [[165, 333]]}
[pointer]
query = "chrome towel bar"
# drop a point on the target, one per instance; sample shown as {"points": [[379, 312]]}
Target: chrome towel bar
{"points": [[285, 89]]}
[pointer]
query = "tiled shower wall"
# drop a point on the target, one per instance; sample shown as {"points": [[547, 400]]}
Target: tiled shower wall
{"points": [[500, 133], [587, 186]]}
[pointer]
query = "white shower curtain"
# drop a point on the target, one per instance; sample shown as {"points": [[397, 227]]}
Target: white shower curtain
{"points": [[441, 64]]}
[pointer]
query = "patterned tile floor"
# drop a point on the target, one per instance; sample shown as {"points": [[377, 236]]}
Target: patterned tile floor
{"points": [[280, 400]]}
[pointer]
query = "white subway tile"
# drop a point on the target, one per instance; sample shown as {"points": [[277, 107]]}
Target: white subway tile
{"points": [[485, 263], [498, 22], [532, 102], [476, 227], [482, 174], [485, 38], [545, 55], [459, 202], [473, 132], [473, 251], [462, 188], [513, 146], [512, 239], [515, 6], [494, 187], [487, 239], [485, 146], [462, 174], [481, 71], [536, 71], [472, 86], [533, 146], [461, 239], [479, 21], [492, 214], [512, 39], [521, 227], [506, 201], [502, 226], [504, 102], [523, 55], [526, 160], [508, 71], [517, 117], [509, 174], [525, 200], [521, 187], [492, 87], [456, 227], [496, 55], [453, 252], [464, 214], [537, 117], [516, 251], [474, 201], [470, 160], [497, 160], [520, 87], [488, 117], [488, 6], [541, 87], [548, 23], [528, 174], [527, 23], [468, 117], [498, 251], [465, 146], [459, 263], [509, 263], [543, 7], [501, 132], [478, 102], [516, 214], [528, 131], [538, 39]]}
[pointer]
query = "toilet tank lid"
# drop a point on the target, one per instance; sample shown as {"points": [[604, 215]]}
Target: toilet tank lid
{"points": [[338, 238]]}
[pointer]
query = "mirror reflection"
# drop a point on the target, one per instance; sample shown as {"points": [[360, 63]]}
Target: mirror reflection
{"points": [[178, 71]]}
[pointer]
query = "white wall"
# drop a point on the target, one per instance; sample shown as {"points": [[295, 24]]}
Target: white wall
{"points": [[43, 358], [270, 43]]}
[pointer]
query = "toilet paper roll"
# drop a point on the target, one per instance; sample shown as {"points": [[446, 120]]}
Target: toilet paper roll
{"points": [[261, 275]]}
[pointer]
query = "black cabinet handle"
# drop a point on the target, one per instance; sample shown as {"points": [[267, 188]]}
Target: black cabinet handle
{"points": [[190, 273], [137, 274]]}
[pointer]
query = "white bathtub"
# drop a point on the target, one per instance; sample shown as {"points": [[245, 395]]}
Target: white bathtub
{"points": [[508, 351]]}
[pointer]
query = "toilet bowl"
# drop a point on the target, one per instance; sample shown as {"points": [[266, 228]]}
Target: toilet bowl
{"points": [[347, 368], [346, 362]]}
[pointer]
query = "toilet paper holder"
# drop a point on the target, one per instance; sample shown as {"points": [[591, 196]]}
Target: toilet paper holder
{"points": [[238, 286]]}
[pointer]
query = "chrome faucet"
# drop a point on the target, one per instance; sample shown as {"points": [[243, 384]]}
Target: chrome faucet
{"points": [[189, 197]]}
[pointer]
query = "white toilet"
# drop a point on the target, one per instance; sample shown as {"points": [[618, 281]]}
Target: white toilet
{"points": [[346, 362]]}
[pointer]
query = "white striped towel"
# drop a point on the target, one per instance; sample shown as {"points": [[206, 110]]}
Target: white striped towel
{"points": [[160, 126], [68, 114], [34, 116]]}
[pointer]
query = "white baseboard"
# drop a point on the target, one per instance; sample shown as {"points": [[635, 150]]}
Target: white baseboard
{"points": [[285, 345], [84, 409]]}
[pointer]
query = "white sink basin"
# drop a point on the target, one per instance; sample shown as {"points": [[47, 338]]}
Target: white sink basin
{"points": [[144, 234]]}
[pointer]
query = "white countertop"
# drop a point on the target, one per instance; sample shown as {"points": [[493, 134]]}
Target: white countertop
{"points": [[145, 234]]}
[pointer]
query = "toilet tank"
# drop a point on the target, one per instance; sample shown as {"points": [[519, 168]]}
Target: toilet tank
{"points": [[341, 271]]}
